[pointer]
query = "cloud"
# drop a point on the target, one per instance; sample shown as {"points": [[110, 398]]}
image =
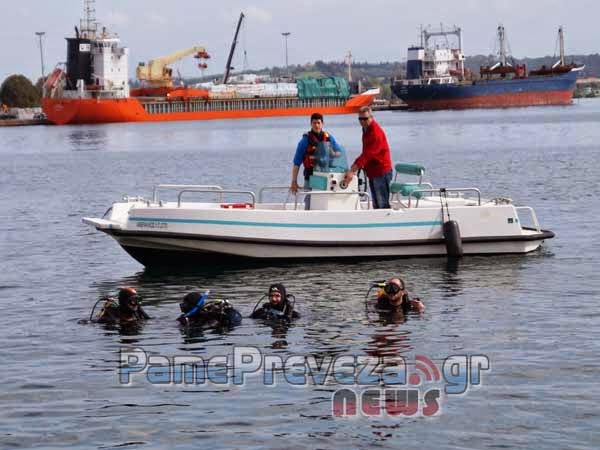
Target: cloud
{"points": [[153, 18], [258, 15], [118, 19]]}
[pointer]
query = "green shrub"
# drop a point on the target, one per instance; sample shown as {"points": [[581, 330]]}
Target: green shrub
{"points": [[18, 92]]}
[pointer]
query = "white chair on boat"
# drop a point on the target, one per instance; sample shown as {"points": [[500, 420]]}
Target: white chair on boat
{"points": [[407, 189]]}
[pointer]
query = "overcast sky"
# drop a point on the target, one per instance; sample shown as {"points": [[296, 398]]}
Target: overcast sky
{"points": [[374, 30]]}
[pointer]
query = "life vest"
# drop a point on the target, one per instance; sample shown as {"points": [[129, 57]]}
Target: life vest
{"points": [[313, 143]]}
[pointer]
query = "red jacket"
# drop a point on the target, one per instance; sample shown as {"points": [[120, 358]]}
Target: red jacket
{"points": [[375, 157]]}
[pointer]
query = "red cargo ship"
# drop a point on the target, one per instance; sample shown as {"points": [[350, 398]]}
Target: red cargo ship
{"points": [[94, 88]]}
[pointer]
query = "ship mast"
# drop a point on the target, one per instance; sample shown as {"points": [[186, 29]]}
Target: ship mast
{"points": [[88, 24], [562, 45], [232, 49], [426, 35], [349, 64], [502, 41]]}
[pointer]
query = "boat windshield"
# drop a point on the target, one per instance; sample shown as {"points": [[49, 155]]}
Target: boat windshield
{"points": [[329, 160]]}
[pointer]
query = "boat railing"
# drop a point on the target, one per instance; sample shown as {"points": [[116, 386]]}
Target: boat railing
{"points": [[221, 192], [311, 193], [534, 218], [444, 190], [207, 187], [270, 188], [305, 193]]}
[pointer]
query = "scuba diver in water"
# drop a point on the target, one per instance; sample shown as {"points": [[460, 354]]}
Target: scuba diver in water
{"points": [[198, 311], [394, 298], [127, 309], [280, 305]]}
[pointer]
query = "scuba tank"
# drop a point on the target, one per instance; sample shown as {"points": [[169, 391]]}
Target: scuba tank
{"points": [[214, 312], [109, 302]]}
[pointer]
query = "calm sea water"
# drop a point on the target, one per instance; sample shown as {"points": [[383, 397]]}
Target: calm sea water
{"points": [[535, 317]]}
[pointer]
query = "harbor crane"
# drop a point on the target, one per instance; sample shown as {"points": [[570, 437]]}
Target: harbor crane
{"points": [[157, 74]]}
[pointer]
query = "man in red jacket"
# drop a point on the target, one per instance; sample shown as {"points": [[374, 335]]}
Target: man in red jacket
{"points": [[375, 159]]}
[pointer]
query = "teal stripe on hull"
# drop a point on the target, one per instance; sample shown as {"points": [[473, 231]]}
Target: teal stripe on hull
{"points": [[289, 225]]}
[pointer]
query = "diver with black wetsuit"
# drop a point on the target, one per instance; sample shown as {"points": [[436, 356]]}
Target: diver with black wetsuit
{"points": [[128, 310], [394, 297], [198, 311], [279, 307]]}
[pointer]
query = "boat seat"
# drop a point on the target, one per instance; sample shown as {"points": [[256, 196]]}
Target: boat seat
{"points": [[407, 188]]}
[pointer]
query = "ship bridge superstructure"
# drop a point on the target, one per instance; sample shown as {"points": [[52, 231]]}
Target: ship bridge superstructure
{"points": [[97, 64], [436, 60]]}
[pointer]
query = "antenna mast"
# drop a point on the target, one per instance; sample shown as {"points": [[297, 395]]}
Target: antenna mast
{"points": [[88, 24], [349, 64], [502, 40], [562, 45]]}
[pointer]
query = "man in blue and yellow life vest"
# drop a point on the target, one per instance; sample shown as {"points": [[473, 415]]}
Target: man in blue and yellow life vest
{"points": [[306, 148]]}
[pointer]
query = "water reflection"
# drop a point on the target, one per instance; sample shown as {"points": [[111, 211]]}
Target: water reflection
{"points": [[279, 330], [389, 341], [124, 329], [88, 139], [451, 278], [199, 334]]}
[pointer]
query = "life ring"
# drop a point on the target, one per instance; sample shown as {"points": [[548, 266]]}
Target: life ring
{"points": [[236, 205]]}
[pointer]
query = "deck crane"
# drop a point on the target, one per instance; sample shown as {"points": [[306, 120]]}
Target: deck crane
{"points": [[157, 74], [228, 67]]}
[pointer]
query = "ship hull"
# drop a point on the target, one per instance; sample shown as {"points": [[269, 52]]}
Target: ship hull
{"points": [[534, 91], [62, 111]]}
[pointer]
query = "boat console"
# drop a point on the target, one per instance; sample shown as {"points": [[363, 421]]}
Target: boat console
{"points": [[329, 191]]}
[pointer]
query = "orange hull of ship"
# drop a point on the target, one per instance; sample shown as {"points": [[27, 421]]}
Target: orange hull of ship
{"points": [[79, 111]]}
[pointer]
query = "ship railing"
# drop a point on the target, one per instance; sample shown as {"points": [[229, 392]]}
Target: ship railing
{"points": [[418, 193], [108, 93], [188, 187], [532, 215]]}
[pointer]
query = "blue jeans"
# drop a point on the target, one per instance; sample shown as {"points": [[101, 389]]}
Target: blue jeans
{"points": [[380, 190]]}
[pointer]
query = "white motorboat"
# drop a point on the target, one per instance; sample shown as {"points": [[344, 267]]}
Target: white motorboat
{"points": [[338, 223]]}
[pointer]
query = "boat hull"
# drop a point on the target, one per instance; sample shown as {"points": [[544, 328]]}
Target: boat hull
{"points": [[62, 111], [160, 250], [534, 91], [203, 234]]}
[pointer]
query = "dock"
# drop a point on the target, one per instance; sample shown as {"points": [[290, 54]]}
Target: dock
{"points": [[389, 106], [23, 122]]}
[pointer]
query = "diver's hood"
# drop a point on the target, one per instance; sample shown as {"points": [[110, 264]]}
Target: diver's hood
{"points": [[190, 301]]}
